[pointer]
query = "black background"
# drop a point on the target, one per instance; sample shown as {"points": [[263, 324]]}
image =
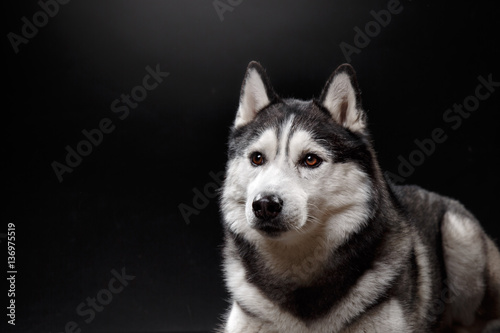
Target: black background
{"points": [[119, 207]]}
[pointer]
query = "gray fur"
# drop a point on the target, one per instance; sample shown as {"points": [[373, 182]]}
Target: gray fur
{"points": [[354, 253]]}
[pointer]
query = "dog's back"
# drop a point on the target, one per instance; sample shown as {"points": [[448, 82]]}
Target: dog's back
{"points": [[465, 261]]}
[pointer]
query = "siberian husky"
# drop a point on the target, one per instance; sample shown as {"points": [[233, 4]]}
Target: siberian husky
{"points": [[318, 240]]}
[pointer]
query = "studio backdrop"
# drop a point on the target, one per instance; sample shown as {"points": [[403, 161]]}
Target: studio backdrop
{"points": [[117, 117]]}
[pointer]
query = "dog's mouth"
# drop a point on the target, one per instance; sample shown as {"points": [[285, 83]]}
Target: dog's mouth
{"points": [[271, 228]]}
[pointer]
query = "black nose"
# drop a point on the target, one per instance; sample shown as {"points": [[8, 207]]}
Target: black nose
{"points": [[267, 207]]}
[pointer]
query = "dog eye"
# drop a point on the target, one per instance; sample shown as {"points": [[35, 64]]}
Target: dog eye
{"points": [[311, 161], [257, 159]]}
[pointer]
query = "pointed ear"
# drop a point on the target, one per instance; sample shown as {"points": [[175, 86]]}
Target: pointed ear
{"points": [[256, 93], [341, 97]]}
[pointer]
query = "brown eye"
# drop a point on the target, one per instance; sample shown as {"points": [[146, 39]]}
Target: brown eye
{"points": [[257, 159], [311, 161]]}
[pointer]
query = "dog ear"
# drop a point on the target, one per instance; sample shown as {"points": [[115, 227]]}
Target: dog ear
{"points": [[256, 94], [341, 97]]}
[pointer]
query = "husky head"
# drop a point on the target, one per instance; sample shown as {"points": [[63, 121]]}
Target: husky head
{"points": [[298, 167]]}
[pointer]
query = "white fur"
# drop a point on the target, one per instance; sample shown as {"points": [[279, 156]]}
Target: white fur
{"points": [[389, 318], [465, 263], [253, 98], [340, 100], [424, 278]]}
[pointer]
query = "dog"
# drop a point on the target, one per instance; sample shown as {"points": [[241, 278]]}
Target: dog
{"points": [[317, 239]]}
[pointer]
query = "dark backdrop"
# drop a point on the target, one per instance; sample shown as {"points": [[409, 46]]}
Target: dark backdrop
{"points": [[118, 208]]}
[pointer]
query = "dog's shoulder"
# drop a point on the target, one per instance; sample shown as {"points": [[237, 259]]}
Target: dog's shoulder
{"points": [[425, 209]]}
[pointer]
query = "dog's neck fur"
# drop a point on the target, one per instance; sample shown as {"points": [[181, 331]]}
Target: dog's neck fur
{"points": [[311, 290]]}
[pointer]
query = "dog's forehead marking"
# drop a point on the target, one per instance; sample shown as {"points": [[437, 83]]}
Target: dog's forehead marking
{"points": [[285, 141], [284, 134]]}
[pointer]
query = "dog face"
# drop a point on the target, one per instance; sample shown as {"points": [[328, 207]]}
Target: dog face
{"points": [[296, 167]]}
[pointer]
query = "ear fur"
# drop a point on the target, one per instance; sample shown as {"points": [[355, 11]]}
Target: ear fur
{"points": [[256, 93], [341, 97]]}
